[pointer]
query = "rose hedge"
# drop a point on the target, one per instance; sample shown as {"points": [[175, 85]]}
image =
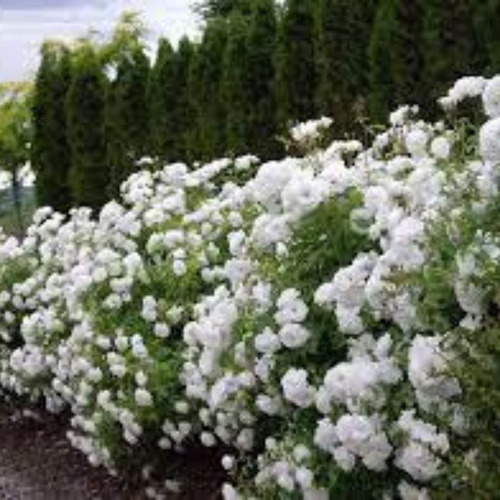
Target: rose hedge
{"points": [[333, 318]]}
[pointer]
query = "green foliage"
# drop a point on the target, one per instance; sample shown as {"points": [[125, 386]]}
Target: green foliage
{"points": [[487, 17], [127, 37], [50, 154], [438, 306], [89, 176], [322, 243], [395, 57], [450, 45], [478, 368], [161, 93], [127, 118], [15, 138], [15, 129], [209, 9], [343, 33], [126, 108], [181, 112], [260, 74], [208, 139], [297, 75], [14, 271], [171, 113], [236, 86]]}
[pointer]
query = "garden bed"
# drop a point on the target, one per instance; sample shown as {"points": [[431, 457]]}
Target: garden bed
{"points": [[37, 462]]}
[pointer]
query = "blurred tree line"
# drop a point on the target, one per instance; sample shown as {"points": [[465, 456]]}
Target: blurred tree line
{"points": [[258, 67], [15, 139]]}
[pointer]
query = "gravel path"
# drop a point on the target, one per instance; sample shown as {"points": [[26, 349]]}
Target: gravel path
{"points": [[38, 463]]}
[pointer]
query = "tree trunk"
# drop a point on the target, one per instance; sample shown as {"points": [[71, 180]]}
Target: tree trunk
{"points": [[16, 195]]}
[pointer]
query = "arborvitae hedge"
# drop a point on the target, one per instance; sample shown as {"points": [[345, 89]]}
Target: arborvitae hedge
{"points": [[128, 136], [85, 101], [261, 76], [395, 59], [236, 86], [161, 94], [343, 34], [487, 29], [181, 111], [297, 75], [208, 98], [259, 66], [50, 153], [450, 47], [210, 9]]}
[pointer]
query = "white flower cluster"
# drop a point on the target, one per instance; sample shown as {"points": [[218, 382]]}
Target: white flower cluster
{"points": [[420, 456], [360, 382], [354, 436], [464, 88], [311, 130]]}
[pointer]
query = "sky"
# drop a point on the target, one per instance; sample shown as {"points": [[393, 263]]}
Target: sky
{"points": [[24, 24]]}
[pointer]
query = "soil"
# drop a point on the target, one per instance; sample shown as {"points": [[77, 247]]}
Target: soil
{"points": [[37, 462]]}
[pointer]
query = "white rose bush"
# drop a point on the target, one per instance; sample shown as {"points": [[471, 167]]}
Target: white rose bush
{"points": [[330, 321]]}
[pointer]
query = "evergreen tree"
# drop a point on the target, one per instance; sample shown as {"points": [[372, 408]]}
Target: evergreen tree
{"points": [[297, 77], [343, 37], [182, 112], [209, 137], [161, 92], [261, 75], [451, 47], [127, 122], [127, 118], [89, 175], [487, 17], [195, 92], [236, 85], [50, 153], [210, 9], [171, 107], [396, 57]]}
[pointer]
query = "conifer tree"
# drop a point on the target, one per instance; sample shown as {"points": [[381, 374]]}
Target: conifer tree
{"points": [[50, 153], [89, 175], [206, 88], [236, 85], [210, 9], [487, 18], [169, 99], [395, 57], [160, 93], [194, 138], [297, 76], [182, 113], [343, 37], [193, 141], [127, 118], [127, 122], [450, 44], [261, 75]]}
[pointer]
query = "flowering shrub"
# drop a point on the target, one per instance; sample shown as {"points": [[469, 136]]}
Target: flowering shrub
{"points": [[332, 319]]}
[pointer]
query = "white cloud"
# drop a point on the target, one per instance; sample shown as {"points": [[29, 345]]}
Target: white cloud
{"points": [[22, 31]]}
